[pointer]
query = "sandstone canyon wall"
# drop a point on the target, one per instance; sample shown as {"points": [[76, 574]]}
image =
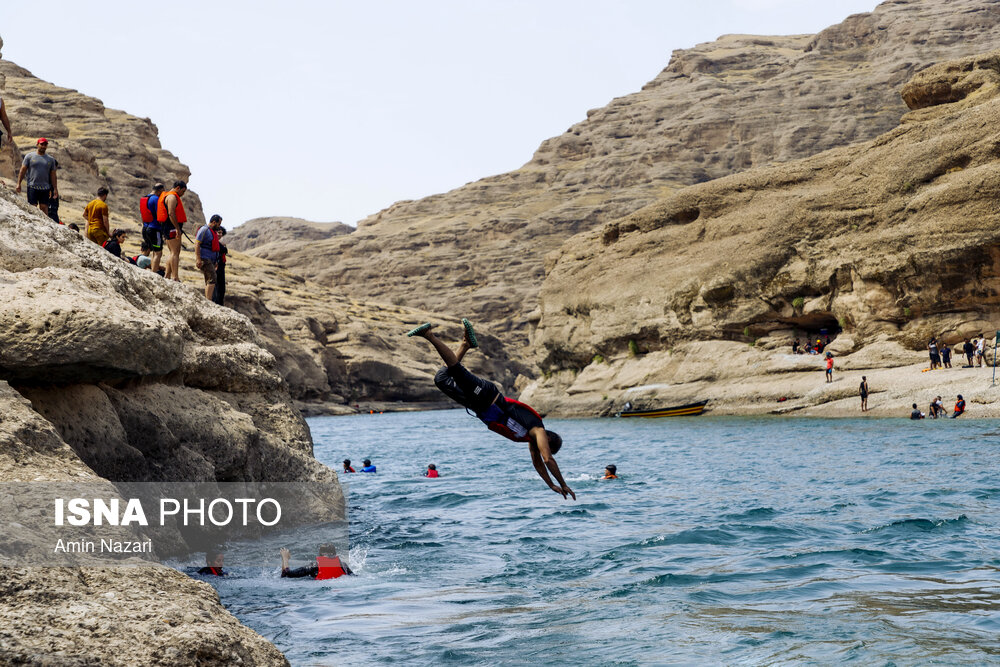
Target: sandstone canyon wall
{"points": [[717, 109], [894, 240]]}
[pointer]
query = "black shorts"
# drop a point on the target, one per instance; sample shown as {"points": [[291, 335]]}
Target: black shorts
{"points": [[466, 389], [152, 236], [36, 196]]}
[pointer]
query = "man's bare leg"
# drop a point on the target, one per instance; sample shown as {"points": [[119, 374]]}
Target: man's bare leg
{"points": [[448, 355]]}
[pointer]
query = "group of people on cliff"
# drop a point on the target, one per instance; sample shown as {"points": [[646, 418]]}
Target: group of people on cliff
{"points": [[161, 212], [975, 353]]}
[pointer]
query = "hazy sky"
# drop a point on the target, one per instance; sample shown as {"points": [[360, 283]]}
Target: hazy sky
{"points": [[330, 110]]}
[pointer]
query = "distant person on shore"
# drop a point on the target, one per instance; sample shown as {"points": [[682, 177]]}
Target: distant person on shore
{"points": [[41, 172], [366, 466], [610, 472], [214, 560], [6, 124], [171, 216], [152, 233], [981, 352], [795, 346], [937, 409], [932, 348], [98, 218], [916, 414], [207, 251], [863, 392], [959, 407], [114, 243], [347, 466], [511, 419], [432, 471], [328, 565], [968, 349], [219, 294], [829, 367], [946, 355]]}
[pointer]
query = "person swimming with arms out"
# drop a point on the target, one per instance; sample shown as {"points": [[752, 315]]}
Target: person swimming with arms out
{"points": [[512, 419], [328, 565], [610, 472]]}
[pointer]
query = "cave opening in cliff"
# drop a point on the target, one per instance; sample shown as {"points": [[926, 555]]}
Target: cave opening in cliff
{"points": [[814, 325]]}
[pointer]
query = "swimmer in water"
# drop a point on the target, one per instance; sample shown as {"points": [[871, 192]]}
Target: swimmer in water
{"points": [[432, 471], [511, 419], [347, 466], [368, 467], [610, 472]]}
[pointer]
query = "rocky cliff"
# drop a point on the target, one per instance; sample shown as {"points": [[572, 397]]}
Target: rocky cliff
{"points": [[94, 145], [107, 372], [891, 240], [278, 233], [717, 109]]}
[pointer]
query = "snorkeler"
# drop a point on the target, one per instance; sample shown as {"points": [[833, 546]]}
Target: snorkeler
{"points": [[512, 419]]}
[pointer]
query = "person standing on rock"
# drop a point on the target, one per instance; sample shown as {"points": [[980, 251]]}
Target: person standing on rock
{"points": [[219, 294], [41, 172], [171, 216], [98, 218], [980, 352], [512, 419], [152, 233], [935, 355], [863, 391], [829, 367], [6, 123], [207, 252], [969, 349], [945, 355]]}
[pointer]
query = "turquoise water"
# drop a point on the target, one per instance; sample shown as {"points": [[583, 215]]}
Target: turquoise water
{"points": [[726, 541]]}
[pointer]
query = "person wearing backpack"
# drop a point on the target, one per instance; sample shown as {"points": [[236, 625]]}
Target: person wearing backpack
{"points": [[152, 233]]}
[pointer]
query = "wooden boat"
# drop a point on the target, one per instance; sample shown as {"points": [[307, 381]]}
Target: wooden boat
{"points": [[691, 409]]}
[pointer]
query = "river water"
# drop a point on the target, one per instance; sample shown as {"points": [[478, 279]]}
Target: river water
{"points": [[725, 541]]}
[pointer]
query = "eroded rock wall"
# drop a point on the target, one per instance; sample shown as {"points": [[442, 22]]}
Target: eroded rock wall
{"points": [[717, 109], [892, 239], [110, 372]]}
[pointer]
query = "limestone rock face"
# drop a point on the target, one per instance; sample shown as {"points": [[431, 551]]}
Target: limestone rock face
{"points": [[717, 109], [110, 372], [94, 145], [891, 239], [282, 233]]}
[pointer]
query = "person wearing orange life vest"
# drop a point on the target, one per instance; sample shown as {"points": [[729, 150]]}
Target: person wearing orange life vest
{"points": [[512, 419], [328, 565], [959, 407], [171, 217]]}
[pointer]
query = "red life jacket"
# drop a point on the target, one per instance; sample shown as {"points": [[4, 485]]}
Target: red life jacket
{"points": [[329, 568], [496, 420], [215, 239], [147, 215], [432, 473]]}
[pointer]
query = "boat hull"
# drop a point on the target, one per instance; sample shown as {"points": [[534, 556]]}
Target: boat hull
{"points": [[689, 410]]}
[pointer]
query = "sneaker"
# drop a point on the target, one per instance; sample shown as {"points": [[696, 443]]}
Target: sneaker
{"points": [[419, 330], [470, 333]]}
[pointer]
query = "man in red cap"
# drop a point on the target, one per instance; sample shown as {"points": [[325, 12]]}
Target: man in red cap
{"points": [[41, 171]]}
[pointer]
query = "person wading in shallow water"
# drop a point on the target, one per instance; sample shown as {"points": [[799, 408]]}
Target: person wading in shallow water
{"points": [[512, 419]]}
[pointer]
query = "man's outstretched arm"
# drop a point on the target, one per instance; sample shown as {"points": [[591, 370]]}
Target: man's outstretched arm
{"points": [[545, 463]]}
